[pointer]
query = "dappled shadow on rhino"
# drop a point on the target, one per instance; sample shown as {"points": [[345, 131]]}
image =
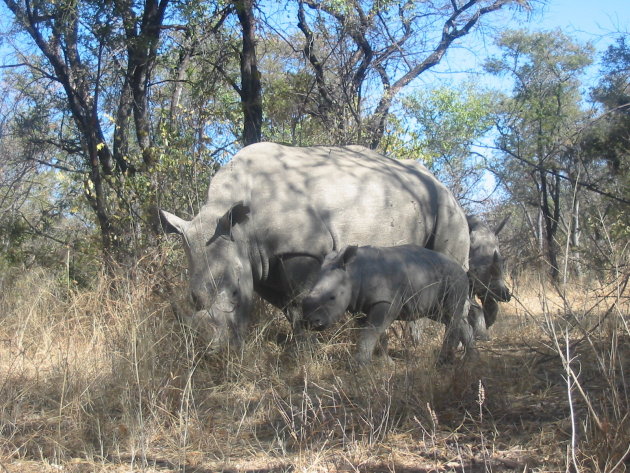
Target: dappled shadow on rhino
{"points": [[274, 212], [386, 284]]}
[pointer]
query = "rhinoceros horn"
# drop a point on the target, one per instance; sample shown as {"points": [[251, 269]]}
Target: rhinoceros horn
{"points": [[172, 223]]}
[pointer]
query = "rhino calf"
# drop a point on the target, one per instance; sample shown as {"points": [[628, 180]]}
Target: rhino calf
{"points": [[404, 282]]}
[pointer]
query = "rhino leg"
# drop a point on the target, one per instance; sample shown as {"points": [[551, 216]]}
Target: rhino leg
{"points": [[373, 332], [290, 278], [490, 310], [296, 277], [476, 318], [458, 330]]}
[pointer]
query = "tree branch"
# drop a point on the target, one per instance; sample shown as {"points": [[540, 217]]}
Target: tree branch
{"points": [[449, 34], [586, 185], [309, 53]]}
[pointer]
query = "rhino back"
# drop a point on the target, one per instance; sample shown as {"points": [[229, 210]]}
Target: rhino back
{"points": [[311, 200], [415, 279]]}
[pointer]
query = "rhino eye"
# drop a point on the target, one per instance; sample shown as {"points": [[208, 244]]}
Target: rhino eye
{"points": [[332, 298]]}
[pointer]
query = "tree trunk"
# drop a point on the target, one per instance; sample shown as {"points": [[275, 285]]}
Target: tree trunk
{"points": [[95, 195], [142, 44], [540, 233], [251, 95], [574, 237], [549, 224]]}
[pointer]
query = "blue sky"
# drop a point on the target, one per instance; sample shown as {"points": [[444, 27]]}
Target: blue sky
{"points": [[596, 21], [591, 20]]}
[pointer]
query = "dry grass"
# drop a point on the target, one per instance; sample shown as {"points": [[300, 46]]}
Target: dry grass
{"points": [[107, 380]]}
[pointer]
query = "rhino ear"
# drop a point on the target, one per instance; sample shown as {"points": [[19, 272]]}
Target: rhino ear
{"points": [[495, 258], [344, 256], [339, 259], [172, 223], [238, 213], [500, 226], [349, 253]]}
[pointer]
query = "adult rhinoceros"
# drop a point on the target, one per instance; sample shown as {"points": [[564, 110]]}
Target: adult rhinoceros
{"points": [[274, 212]]}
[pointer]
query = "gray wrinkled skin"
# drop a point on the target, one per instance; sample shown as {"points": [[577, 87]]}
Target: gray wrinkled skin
{"points": [[486, 271], [487, 275], [274, 212], [404, 282]]}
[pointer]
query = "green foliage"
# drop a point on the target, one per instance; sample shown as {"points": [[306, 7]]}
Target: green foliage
{"points": [[537, 129], [545, 107], [613, 89], [443, 126], [545, 67], [400, 141], [45, 225], [286, 83], [605, 142], [449, 120]]}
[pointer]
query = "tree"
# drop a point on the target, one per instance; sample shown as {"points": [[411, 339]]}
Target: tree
{"points": [[250, 89], [363, 54], [101, 64], [446, 124], [78, 45], [38, 217], [538, 126], [605, 142]]}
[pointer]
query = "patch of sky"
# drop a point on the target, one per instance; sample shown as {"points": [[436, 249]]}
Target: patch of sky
{"points": [[599, 23]]}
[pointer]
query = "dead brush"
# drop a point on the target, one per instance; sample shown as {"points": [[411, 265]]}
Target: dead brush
{"points": [[596, 354], [332, 403], [592, 342], [110, 376], [84, 372], [582, 356]]}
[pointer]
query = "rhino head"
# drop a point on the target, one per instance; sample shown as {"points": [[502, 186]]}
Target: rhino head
{"points": [[221, 282], [331, 295], [485, 262]]}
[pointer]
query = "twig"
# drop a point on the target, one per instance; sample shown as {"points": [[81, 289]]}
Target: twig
{"points": [[623, 458], [36, 231], [570, 398], [571, 374]]}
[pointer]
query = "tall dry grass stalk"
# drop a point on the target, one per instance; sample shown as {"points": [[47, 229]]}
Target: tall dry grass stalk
{"points": [[585, 324], [106, 378]]}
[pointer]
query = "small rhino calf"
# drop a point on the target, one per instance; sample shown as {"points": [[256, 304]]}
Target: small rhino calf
{"points": [[404, 282]]}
